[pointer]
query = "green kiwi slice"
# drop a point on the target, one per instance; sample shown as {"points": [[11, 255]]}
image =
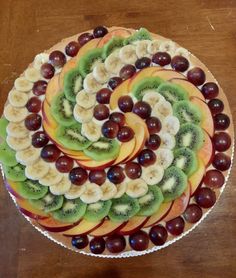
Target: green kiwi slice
{"points": [[71, 211], [172, 92], [62, 110], [186, 160], [30, 189], [122, 209], [15, 173], [73, 83], [173, 183], [150, 202], [112, 45], [7, 155], [103, 149], [3, 126], [145, 85], [141, 34], [97, 211], [189, 136], [89, 60], [71, 138], [48, 203], [187, 112]]}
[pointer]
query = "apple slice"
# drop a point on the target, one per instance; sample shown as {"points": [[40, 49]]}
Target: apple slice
{"points": [[159, 215], [95, 165], [192, 90], [84, 227], [125, 150], [207, 121], [47, 116], [168, 74], [196, 178], [52, 225], [108, 227], [179, 205], [12, 187], [119, 91], [27, 209], [53, 88], [133, 225], [71, 64], [119, 32], [206, 153]]}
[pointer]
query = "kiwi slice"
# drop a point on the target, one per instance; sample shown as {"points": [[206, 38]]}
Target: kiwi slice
{"points": [[7, 155], [71, 138], [150, 202], [186, 160], [190, 136], [187, 112], [30, 189], [89, 60], [15, 173], [48, 203], [3, 126], [145, 85], [112, 45], [122, 209], [97, 211], [141, 34], [173, 183], [172, 92], [103, 149], [73, 83], [62, 110], [71, 211]]}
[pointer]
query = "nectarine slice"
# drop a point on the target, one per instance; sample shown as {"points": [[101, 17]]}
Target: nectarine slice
{"points": [[84, 227], [206, 152], [134, 120], [86, 47], [52, 225], [167, 74], [12, 187], [108, 227], [119, 91], [47, 116], [27, 209], [94, 165], [53, 88], [196, 178], [71, 64], [133, 225], [123, 33], [126, 149]]}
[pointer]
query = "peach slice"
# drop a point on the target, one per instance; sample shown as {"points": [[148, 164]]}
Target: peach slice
{"points": [[108, 227], [167, 74], [53, 88], [196, 178], [86, 47], [71, 64], [12, 187], [125, 150], [133, 225], [159, 215], [120, 32], [52, 225], [47, 116], [192, 90], [207, 121], [206, 153], [84, 227], [95, 165], [133, 120], [121, 90], [27, 209]]}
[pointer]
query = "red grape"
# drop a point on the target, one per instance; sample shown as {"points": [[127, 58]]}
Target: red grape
{"points": [[97, 176], [175, 226], [80, 242], [64, 164], [221, 141], [158, 235], [221, 121], [33, 121], [193, 213], [142, 109], [210, 90], [39, 139], [118, 118], [115, 243], [221, 161], [78, 176], [47, 70], [196, 76], [101, 112], [143, 63], [110, 129], [57, 58], [72, 49], [103, 96], [146, 157], [214, 179], [153, 125], [125, 134], [84, 38], [139, 240], [179, 63], [97, 245], [50, 153], [205, 197], [133, 170], [116, 174], [39, 87], [100, 31], [216, 106], [127, 72], [161, 58], [34, 105], [114, 82], [125, 103], [153, 142]]}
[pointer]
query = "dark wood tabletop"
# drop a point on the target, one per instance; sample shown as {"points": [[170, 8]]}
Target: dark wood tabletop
{"points": [[208, 29]]}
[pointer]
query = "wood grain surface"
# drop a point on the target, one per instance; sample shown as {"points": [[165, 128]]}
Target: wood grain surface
{"points": [[207, 29]]}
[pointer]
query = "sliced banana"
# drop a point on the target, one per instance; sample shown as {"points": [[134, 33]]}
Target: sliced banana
{"points": [[37, 170], [75, 191], [90, 84], [85, 99], [136, 188], [141, 48], [82, 115], [32, 74], [167, 46], [162, 109], [108, 191], [17, 130], [182, 52], [127, 54], [15, 114], [121, 189], [100, 73], [153, 46], [167, 140], [17, 99], [18, 144], [152, 174], [152, 97], [113, 63], [164, 157], [61, 187], [92, 193], [23, 85], [91, 130], [28, 156], [53, 177], [171, 124], [40, 59]]}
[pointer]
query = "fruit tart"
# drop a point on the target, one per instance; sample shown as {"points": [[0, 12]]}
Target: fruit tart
{"points": [[116, 142]]}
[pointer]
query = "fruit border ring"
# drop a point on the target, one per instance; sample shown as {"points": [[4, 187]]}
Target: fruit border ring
{"points": [[116, 142]]}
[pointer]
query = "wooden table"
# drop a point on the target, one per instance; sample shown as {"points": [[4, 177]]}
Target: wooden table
{"points": [[208, 29]]}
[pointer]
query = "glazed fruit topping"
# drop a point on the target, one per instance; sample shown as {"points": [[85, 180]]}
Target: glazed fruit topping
{"points": [[193, 213], [72, 48], [161, 58], [78, 176], [40, 87], [214, 179], [33, 122], [175, 226], [205, 197], [57, 58], [210, 90], [133, 170], [84, 38], [39, 139], [139, 241], [158, 235], [50, 153], [179, 63], [125, 104], [196, 76], [64, 164], [125, 134], [47, 71], [34, 105], [100, 31]]}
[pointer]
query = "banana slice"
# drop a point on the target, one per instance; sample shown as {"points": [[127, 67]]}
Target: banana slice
{"points": [[152, 97], [92, 193], [113, 63], [28, 156], [18, 144], [100, 73], [152, 174], [171, 125], [164, 157], [162, 109], [182, 52], [53, 177], [136, 188], [108, 191], [23, 85], [17, 99], [85, 100], [82, 115], [75, 191], [128, 55], [90, 84], [167, 46], [91, 130], [17, 130], [15, 114], [40, 59], [37, 170], [121, 189], [167, 140], [61, 187], [32, 74], [141, 48], [153, 46]]}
